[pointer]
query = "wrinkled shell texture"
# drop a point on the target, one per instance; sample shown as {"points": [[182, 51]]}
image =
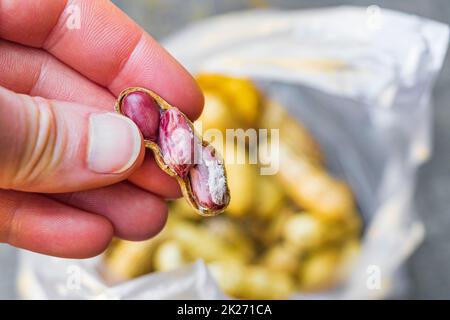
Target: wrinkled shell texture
{"points": [[144, 111]]}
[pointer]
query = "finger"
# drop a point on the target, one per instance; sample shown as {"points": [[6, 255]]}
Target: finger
{"points": [[134, 213], [54, 146], [150, 177], [39, 224], [35, 72], [108, 47]]}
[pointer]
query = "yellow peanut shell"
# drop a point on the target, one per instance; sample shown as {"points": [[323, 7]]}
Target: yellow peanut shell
{"points": [[252, 281], [233, 234], [312, 188], [129, 260], [317, 272], [239, 94], [168, 256], [242, 179], [270, 197], [216, 114], [303, 231], [200, 243], [282, 258], [292, 133], [296, 231]]}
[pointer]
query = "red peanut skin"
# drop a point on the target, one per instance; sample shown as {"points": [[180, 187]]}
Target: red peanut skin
{"points": [[176, 141], [199, 177], [178, 144], [144, 111]]}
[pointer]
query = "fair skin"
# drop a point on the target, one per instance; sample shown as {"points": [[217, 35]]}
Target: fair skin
{"points": [[72, 174]]}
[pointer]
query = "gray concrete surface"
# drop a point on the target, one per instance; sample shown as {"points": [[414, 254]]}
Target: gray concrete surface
{"points": [[429, 268]]}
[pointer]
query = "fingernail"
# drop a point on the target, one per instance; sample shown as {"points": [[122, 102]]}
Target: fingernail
{"points": [[114, 143]]}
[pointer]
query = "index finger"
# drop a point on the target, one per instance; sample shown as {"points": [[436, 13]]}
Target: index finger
{"points": [[101, 42]]}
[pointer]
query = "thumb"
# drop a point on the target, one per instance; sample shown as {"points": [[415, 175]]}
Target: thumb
{"points": [[55, 146]]}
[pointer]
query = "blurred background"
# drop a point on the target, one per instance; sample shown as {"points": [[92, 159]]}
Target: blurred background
{"points": [[428, 268]]}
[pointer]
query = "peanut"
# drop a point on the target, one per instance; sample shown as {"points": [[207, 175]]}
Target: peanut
{"points": [[177, 141], [208, 181], [144, 111]]}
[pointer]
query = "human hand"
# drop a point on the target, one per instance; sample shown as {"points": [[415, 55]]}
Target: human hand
{"points": [[63, 154]]}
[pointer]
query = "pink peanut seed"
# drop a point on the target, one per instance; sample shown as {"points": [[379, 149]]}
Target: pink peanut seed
{"points": [[208, 182], [176, 141], [144, 111]]}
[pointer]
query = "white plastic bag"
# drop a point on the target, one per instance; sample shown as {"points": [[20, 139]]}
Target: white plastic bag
{"points": [[361, 84]]}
